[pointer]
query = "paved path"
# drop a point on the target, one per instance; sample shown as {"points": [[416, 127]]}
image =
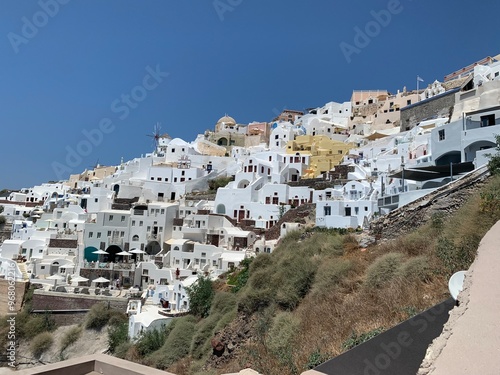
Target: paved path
{"points": [[470, 342]]}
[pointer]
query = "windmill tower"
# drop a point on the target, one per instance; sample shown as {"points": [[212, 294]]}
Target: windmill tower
{"points": [[159, 139]]}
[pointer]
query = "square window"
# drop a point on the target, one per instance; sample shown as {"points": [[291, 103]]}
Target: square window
{"points": [[123, 218], [110, 217]]}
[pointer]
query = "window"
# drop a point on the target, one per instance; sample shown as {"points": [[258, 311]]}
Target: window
{"points": [[96, 200], [98, 234], [110, 217], [442, 135], [162, 211], [141, 223], [158, 178], [366, 208], [122, 234], [123, 218], [109, 233], [91, 234], [133, 223], [487, 120], [173, 150], [203, 254], [327, 210]]}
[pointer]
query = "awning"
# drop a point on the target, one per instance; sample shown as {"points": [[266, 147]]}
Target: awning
{"points": [[433, 172]]}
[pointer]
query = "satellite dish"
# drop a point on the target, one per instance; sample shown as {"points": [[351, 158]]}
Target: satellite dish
{"points": [[456, 283]]}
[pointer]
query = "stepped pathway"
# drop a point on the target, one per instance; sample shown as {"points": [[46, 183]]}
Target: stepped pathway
{"points": [[24, 271]]}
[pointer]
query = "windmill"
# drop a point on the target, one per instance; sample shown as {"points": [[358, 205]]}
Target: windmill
{"points": [[156, 135]]}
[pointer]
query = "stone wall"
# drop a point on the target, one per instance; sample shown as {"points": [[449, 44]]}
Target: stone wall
{"points": [[441, 106], [64, 303]]}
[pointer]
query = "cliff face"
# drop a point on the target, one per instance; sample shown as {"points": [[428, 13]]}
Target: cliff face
{"points": [[444, 201]]}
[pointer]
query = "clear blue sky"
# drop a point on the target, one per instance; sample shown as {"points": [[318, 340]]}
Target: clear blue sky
{"points": [[249, 59]]}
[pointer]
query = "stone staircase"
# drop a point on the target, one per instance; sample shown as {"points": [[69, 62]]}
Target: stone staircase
{"points": [[24, 270]]}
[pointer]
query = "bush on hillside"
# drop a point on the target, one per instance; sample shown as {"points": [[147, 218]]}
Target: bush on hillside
{"points": [[383, 269], [330, 273], [176, 346], [29, 325], [150, 341], [97, 317], [281, 336], [41, 343], [70, 337], [417, 268]]}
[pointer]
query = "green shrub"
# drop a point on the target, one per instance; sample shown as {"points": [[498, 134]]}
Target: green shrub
{"points": [[150, 341], [330, 273], [292, 281], [117, 334], [201, 339], [122, 349], [416, 268], [383, 269], [30, 325], [200, 295], [70, 337], [355, 339], [222, 303], [280, 338], [41, 343], [457, 257], [240, 277], [261, 261], [255, 299], [97, 317], [315, 359], [176, 345]]}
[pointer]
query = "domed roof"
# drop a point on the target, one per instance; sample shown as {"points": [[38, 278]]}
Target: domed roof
{"points": [[228, 120]]}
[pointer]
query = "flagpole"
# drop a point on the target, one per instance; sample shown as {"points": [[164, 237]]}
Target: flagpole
{"points": [[418, 95]]}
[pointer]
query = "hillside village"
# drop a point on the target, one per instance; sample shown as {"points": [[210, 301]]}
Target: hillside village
{"points": [[138, 234]]}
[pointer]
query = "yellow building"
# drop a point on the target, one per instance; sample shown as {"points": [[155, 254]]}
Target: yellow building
{"points": [[324, 153]]}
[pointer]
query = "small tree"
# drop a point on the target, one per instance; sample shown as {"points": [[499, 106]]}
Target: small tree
{"points": [[201, 294], [494, 162]]}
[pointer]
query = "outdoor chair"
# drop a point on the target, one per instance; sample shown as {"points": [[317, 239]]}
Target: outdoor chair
{"points": [[61, 289], [76, 290], [84, 291], [97, 291]]}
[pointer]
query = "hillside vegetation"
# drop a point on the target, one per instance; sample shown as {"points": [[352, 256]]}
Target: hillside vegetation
{"points": [[317, 295]]}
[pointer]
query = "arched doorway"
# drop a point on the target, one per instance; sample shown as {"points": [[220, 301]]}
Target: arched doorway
{"points": [[112, 251], [243, 184], [116, 189], [153, 248], [88, 254], [222, 141], [221, 209]]}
